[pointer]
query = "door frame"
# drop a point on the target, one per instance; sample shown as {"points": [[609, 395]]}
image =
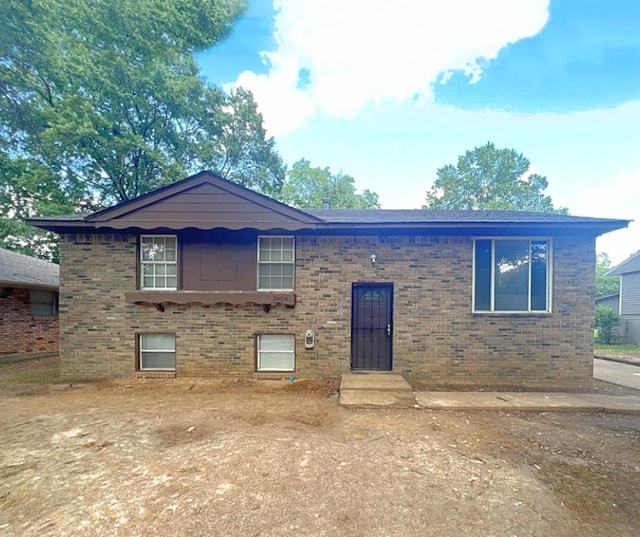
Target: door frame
{"points": [[372, 285]]}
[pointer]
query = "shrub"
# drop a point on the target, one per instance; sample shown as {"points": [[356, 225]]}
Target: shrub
{"points": [[606, 321]]}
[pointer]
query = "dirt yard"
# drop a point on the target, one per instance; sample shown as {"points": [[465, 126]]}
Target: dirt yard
{"points": [[179, 458]]}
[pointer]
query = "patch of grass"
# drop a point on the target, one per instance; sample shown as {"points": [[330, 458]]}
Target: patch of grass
{"points": [[41, 376], [626, 348]]}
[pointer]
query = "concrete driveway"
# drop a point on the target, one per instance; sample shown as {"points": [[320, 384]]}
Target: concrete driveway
{"points": [[617, 373]]}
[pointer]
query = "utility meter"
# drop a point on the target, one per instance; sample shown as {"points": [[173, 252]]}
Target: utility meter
{"points": [[309, 339]]}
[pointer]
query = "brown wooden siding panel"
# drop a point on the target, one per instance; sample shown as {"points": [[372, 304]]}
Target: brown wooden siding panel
{"points": [[205, 206], [219, 265], [177, 214], [201, 206]]}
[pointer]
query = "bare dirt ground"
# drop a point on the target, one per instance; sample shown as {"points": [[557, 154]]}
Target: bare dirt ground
{"points": [[142, 458]]}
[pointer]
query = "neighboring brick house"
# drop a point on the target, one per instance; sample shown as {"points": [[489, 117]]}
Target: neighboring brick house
{"points": [[629, 300], [207, 278], [28, 304]]}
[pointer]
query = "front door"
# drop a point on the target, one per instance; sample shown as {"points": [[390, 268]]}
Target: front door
{"points": [[371, 326]]}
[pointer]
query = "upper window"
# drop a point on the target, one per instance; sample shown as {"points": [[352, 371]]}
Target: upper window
{"points": [[275, 263], [158, 262], [512, 275], [42, 303]]}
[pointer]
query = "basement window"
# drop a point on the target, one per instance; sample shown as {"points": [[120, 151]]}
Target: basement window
{"points": [[157, 352], [276, 352]]}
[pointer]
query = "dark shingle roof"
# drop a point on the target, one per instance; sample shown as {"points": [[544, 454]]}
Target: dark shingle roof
{"points": [[24, 271], [416, 216], [631, 264]]}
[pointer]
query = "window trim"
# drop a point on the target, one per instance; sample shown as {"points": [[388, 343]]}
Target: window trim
{"points": [[142, 262], [257, 347], [258, 263], [139, 351], [549, 286], [53, 303]]}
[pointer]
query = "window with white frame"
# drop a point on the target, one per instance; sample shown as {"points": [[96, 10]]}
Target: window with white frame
{"points": [[159, 262], [157, 352], [42, 303], [512, 275], [276, 352], [276, 262]]}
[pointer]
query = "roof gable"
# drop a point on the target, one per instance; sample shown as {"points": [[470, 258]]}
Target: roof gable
{"points": [[631, 264], [20, 270], [203, 201]]}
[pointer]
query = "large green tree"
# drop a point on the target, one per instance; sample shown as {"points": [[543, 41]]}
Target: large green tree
{"points": [[490, 178], [605, 285], [101, 101], [308, 187]]}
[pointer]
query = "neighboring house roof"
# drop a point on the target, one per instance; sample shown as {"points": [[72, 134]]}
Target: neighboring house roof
{"points": [[631, 264], [206, 201], [607, 297], [19, 270]]}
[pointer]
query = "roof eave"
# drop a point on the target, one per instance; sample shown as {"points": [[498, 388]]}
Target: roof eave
{"points": [[29, 285], [593, 229], [60, 225]]}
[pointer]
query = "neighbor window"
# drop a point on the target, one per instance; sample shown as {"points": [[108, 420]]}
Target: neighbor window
{"points": [[512, 275], [275, 263], [157, 352], [276, 352], [42, 303], [158, 262]]}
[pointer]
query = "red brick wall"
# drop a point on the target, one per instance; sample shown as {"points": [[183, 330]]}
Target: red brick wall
{"points": [[20, 332]]}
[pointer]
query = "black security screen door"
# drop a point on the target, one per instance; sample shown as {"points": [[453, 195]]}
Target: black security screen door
{"points": [[371, 326]]}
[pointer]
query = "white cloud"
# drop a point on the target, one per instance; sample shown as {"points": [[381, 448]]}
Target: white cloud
{"points": [[361, 52], [619, 198]]}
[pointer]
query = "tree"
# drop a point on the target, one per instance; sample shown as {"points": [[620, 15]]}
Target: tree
{"points": [[605, 285], [103, 101], [490, 178], [606, 322], [308, 187]]}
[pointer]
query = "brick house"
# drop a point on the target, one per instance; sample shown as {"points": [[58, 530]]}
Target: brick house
{"points": [[28, 304], [206, 278]]}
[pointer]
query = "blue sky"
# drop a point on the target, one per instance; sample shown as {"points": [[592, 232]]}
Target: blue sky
{"points": [[389, 92]]}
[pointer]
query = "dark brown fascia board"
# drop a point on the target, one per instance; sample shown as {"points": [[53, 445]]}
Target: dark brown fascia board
{"points": [[258, 226], [63, 225], [196, 180], [458, 228], [477, 228]]}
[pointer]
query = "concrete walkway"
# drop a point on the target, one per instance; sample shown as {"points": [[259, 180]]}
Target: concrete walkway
{"points": [[615, 372], [393, 391]]}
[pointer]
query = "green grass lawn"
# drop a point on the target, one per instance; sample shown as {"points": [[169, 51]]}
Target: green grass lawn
{"points": [[626, 349]]}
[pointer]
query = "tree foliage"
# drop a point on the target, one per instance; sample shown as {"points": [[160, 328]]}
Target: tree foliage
{"points": [[606, 323], [490, 178], [308, 187], [103, 101], [605, 285]]}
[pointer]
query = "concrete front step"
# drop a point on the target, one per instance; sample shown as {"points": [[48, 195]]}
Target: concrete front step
{"points": [[375, 390]]}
